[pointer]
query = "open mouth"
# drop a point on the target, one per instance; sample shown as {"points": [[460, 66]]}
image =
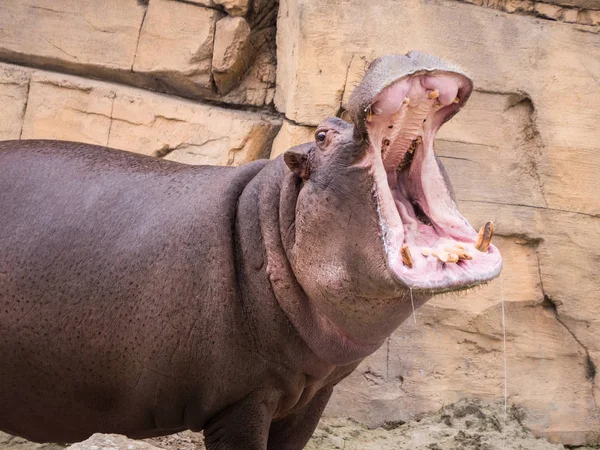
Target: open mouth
{"points": [[430, 245]]}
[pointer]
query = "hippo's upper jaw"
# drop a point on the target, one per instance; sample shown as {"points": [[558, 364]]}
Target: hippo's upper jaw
{"points": [[398, 107]]}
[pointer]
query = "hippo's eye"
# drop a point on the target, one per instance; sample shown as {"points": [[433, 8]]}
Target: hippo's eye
{"points": [[321, 136]]}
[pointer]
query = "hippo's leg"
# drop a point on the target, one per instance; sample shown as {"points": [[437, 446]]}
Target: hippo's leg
{"points": [[243, 425], [294, 431]]}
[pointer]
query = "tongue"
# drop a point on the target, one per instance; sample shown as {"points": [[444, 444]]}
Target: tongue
{"points": [[425, 184]]}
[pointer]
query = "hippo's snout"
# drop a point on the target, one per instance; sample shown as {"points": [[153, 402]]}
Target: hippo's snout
{"points": [[400, 105]]}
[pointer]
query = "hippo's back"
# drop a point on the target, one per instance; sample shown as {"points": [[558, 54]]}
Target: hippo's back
{"points": [[101, 253]]}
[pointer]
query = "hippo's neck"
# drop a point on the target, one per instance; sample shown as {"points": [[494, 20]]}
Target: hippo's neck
{"points": [[264, 229], [275, 339]]}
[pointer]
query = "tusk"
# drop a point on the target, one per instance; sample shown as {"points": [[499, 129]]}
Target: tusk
{"points": [[485, 237], [406, 256], [433, 94]]}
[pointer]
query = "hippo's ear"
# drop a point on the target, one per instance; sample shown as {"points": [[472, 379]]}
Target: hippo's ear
{"points": [[297, 159]]}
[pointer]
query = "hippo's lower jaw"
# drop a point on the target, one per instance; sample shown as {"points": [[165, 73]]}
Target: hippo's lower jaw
{"points": [[429, 244]]}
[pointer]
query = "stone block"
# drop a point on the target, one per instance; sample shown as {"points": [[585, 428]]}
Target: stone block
{"points": [[231, 53], [290, 135], [84, 35], [176, 45], [14, 88], [71, 108]]}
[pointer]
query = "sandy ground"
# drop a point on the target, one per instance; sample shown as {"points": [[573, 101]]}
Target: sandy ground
{"points": [[467, 425]]}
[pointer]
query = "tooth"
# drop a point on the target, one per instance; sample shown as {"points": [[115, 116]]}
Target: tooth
{"points": [[441, 255], [485, 237], [406, 257], [460, 252], [418, 140], [425, 251], [369, 116], [406, 101], [452, 258], [456, 100], [433, 94], [446, 257]]}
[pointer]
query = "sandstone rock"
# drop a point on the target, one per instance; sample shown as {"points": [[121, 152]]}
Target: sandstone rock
{"points": [[176, 44], [111, 442], [231, 53], [486, 141], [313, 63], [257, 87], [583, 4], [72, 108], [290, 135], [314, 66], [589, 17], [517, 156], [68, 108], [14, 87], [234, 7], [570, 15], [548, 11], [171, 43], [189, 133], [519, 6], [455, 350], [561, 10], [71, 34]]}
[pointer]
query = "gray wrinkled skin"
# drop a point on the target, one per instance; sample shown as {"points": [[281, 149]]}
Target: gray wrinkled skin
{"points": [[144, 297]]}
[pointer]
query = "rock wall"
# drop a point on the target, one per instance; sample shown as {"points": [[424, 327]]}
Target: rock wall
{"points": [[196, 81]]}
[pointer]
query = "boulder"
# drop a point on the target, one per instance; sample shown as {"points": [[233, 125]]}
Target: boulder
{"points": [[111, 442]]}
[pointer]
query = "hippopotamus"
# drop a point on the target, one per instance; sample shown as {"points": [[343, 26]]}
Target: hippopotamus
{"points": [[144, 297]]}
